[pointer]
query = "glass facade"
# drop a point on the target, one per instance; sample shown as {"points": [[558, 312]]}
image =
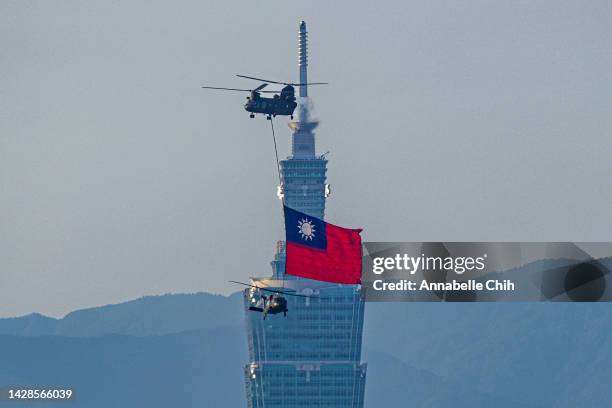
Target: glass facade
{"points": [[304, 185], [311, 357]]}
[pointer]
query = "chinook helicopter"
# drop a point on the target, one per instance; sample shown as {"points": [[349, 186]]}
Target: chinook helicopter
{"points": [[282, 103], [272, 304]]}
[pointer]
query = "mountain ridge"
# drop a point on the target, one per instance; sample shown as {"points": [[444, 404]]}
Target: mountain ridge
{"points": [[535, 354]]}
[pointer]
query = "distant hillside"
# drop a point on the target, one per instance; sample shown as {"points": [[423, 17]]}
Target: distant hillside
{"points": [[393, 383], [150, 315], [541, 353], [193, 369], [189, 369]]}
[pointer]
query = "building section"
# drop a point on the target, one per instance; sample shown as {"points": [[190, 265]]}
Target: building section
{"points": [[312, 357]]}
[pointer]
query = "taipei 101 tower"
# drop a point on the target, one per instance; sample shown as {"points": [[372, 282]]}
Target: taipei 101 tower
{"points": [[311, 357]]}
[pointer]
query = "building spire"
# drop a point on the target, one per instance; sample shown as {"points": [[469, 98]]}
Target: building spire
{"points": [[303, 58], [303, 144]]}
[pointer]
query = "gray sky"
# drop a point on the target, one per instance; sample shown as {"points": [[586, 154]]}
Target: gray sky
{"points": [[120, 177]]}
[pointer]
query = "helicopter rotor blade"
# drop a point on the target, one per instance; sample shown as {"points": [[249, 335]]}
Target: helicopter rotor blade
{"points": [[311, 83], [282, 83], [260, 288], [260, 87], [272, 290], [227, 89], [259, 79], [239, 89], [253, 286]]}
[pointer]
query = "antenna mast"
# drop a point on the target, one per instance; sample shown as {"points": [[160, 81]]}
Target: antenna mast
{"points": [[303, 58]]}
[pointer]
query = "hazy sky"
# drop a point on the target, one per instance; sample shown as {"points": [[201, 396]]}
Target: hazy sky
{"points": [[120, 177]]}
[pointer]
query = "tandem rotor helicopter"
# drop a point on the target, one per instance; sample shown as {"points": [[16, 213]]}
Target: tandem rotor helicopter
{"points": [[272, 304], [282, 103]]}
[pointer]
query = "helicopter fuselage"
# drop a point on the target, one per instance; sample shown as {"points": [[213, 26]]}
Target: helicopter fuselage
{"points": [[274, 305], [282, 104], [270, 106]]}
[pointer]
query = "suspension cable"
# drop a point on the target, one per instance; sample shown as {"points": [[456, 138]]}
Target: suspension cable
{"points": [[280, 183], [276, 152]]}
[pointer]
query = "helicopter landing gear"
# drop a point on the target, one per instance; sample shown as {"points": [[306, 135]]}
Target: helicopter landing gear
{"points": [[252, 115], [285, 313], [291, 117]]}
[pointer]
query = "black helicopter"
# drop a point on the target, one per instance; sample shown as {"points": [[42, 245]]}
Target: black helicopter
{"points": [[282, 103], [272, 304]]}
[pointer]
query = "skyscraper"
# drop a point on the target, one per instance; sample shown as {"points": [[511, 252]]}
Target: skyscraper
{"points": [[312, 357]]}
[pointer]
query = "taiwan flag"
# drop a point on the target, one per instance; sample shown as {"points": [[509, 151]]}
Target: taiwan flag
{"points": [[321, 251]]}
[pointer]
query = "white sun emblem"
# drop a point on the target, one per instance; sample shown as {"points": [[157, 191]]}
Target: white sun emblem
{"points": [[306, 229]]}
